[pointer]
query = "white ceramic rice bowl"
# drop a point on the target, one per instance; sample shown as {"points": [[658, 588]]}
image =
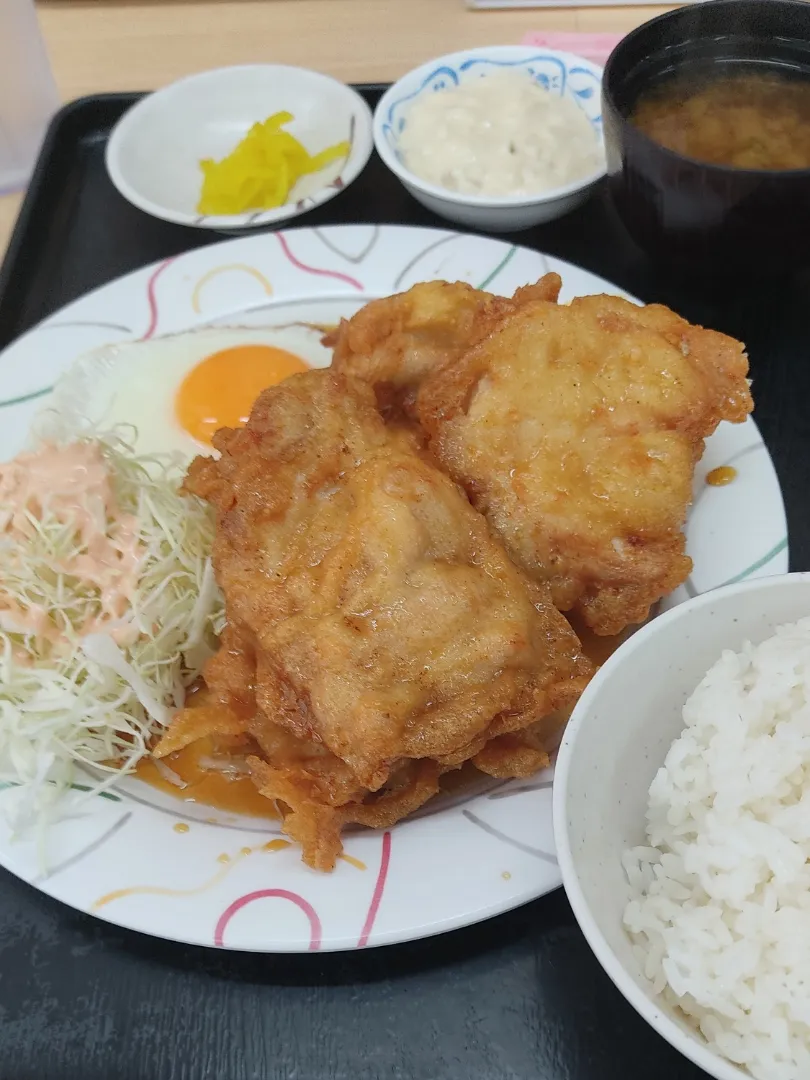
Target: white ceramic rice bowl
{"points": [[560, 72], [615, 742]]}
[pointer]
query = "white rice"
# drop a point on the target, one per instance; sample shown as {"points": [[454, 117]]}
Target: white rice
{"points": [[720, 914]]}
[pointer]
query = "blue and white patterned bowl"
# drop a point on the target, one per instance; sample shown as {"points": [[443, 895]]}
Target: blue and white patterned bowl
{"points": [[560, 72]]}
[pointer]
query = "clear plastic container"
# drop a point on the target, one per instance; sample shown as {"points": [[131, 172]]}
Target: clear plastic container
{"points": [[28, 94]]}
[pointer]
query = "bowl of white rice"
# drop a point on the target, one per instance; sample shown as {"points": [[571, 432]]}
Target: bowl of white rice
{"points": [[682, 823], [498, 138]]}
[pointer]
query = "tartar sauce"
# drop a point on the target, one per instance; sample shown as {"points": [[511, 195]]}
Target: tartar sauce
{"points": [[498, 135]]}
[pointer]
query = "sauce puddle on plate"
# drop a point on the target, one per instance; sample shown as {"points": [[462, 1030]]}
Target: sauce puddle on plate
{"points": [[233, 794], [722, 475]]}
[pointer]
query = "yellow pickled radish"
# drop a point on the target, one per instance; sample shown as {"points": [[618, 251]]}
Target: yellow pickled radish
{"points": [[261, 171]]}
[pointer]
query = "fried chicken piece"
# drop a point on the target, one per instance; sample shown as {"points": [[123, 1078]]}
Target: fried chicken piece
{"points": [[575, 430], [394, 342], [377, 636]]}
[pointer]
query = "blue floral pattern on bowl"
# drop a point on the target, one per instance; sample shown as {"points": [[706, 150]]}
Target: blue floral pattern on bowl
{"points": [[550, 70]]}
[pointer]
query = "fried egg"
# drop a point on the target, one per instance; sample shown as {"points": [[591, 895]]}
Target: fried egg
{"points": [[171, 394]]}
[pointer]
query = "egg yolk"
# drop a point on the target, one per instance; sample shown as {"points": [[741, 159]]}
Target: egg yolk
{"points": [[220, 390]]}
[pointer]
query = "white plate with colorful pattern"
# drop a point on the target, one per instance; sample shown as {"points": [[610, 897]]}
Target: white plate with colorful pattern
{"points": [[180, 870]]}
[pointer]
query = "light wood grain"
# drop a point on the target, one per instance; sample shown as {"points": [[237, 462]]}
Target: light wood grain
{"points": [[112, 46], [103, 45]]}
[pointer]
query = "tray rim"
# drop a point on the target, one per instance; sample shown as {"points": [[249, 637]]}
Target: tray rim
{"points": [[39, 176], [37, 184]]}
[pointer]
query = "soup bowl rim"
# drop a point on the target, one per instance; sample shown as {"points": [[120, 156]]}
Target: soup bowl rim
{"points": [[612, 77]]}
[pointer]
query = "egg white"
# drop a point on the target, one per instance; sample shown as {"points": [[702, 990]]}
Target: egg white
{"points": [[132, 386]]}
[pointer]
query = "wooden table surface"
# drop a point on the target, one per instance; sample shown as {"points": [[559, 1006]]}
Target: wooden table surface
{"points": [[98, 45]]}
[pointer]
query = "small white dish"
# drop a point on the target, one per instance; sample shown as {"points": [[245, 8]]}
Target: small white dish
{"points": [[154, 151], [616, 741], [562, 73]]}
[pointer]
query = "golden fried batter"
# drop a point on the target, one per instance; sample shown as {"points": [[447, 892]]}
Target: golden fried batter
{"points": [[377, 635], [394, 342], [575, 430]]}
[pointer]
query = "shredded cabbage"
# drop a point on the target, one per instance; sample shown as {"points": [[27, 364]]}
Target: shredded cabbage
{"points": [[78, 686]]}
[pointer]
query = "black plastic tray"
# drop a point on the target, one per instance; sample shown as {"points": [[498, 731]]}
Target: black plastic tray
{"points": [[517, 998]]}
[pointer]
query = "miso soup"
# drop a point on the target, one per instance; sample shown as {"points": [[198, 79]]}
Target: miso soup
{"points": [[746, 117]]}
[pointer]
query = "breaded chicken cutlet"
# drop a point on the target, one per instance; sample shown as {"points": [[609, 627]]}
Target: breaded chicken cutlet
{"points": [[575, 429], [394, 342], [377, 636]]}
